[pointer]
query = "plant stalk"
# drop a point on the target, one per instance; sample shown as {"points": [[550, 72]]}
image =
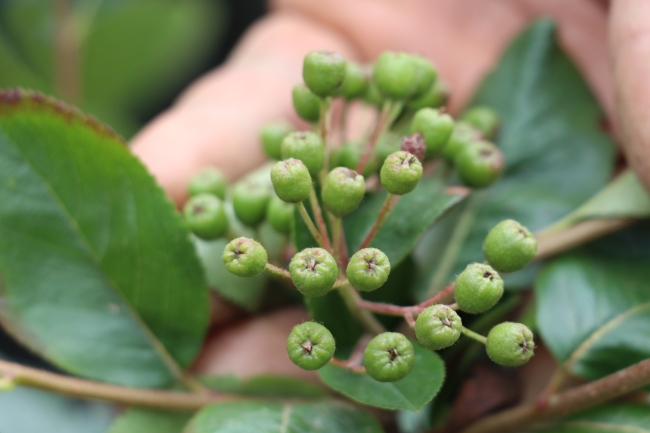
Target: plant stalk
{"points": [[474, 335], [388, 205], [318, 215], [351, 299], [310, 224]]}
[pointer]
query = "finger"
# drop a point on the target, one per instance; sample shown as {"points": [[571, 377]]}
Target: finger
{"points": [[217, 121], [630, 50]]}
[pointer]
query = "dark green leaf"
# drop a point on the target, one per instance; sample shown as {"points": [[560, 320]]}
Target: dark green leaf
{"points": [[245, 417], [612, 418], [410, 393], [557, 156], [150, 421], [99, 274], [265, 386]]}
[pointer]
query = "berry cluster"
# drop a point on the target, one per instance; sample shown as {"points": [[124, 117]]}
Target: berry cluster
{"points": [[333, 181]]}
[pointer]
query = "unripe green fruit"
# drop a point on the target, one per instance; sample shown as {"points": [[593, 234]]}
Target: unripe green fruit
{"points": [[307, 147], [478, 288], [484, 119], [349, 155], [249, 201], [436, 96], [427, 74], [291, 180], [372, 95], [280, 215], [437, 327], [435, 127], [509, 246], [510, 344], [306, 104], [355, 82], [479, 164], [389, 357], [244, 257], [323, 72], [205, 215], [401, 173], [313, 271], [272, 136], [208, 181], [310, 345], [396, 75], [462, 136], [368, 269], [343, 191]]}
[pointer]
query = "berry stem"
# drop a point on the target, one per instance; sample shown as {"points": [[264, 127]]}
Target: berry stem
{"points": [[376, 133], [323, 130], [351, 298], [310, 224], [346, 364], [343, 123], [337, 238], [278, 272], [396, 310], [388, 205], [473, 335], [567, 402], [318, 215]]}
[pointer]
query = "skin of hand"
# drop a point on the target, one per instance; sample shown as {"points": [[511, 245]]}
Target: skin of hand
{"points": [[216, 121]]}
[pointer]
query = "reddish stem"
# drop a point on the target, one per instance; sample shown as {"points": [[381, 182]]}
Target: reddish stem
{"points": [[379, 129], [388, 205], [320, 222], [396, 310]]}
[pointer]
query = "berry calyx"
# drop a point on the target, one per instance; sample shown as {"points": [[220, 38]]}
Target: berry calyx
{"points": [[272, 135], [510, 344], [435, 127], [401, 173], [396, 75], [389, 357], [415, 145], [250, 200], [462, 136], [306, 104], [484, 119], [280, 215], [206, 216], [310, 345], [343, 191], [208, 181], [307, 147], [291, 180], [437, 327], [478, 288], [313, 271], [355, 82], [436, 96], [479, 164], [323, 72], [245, 257], [368, 269], [509, 246]]}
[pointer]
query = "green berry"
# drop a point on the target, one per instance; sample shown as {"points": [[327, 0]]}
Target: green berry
{"points": [[355, 82], [310, 345], [401, 173], [280, 215], [510, 344], [372, 95], [415, 145], [437, 327], [389, 357], [313, 271], [306, 104], [291, 180], [244, 257], [206, 216], [478, 288], [396, 75], [250, 200], [479, 164], [427, 74], [435, 127], [349, 155], [509, 246], [307, 147], [368, 269], [436, 96], [208, 181], [272, 136], [343, 191], [323, 72], [484, 119], [462, 136]]}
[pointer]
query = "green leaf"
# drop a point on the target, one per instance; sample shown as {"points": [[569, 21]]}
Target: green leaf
{"points": [[409, 219], [265, 386], [245, 417], [99, 275], [594, 311], [136, 420], [410, 393], [557, 156], [611, 418]]}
